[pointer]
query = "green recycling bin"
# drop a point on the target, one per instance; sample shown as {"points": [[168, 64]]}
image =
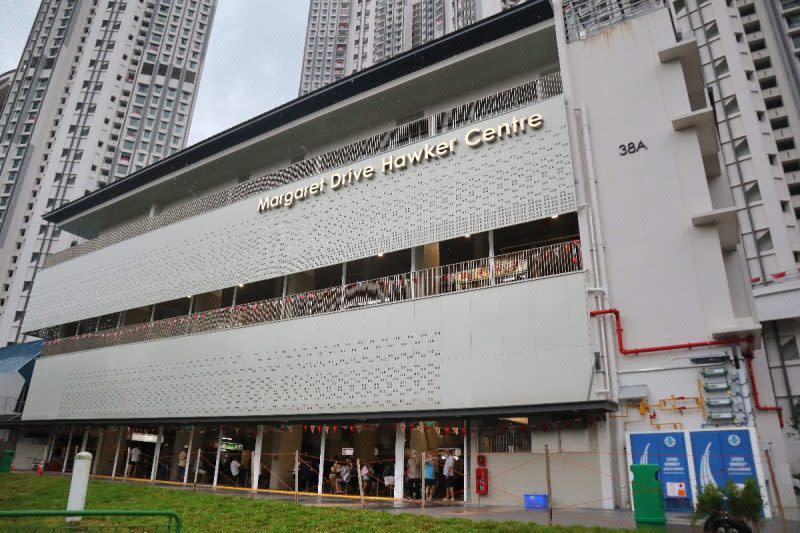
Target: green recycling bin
{"points": [[6, 458], [648, 498]]}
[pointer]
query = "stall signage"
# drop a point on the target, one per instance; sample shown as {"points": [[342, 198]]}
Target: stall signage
{"points": [[398, 162], [667, 450], [723, 455]]}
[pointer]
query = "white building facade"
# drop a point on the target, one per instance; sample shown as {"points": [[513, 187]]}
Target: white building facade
{"points": [[103, 88], [546, 259]]}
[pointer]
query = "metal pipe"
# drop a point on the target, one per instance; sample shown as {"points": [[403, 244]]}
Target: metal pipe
{"points": [[748, 357], [665, 347]]}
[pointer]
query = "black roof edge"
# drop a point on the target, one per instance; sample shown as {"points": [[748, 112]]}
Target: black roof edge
{"points": [[588, 407], [482, 32]]}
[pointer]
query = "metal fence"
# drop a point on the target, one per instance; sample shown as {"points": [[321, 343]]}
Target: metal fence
{"points": [[405, 134], [583, 18], [36, 521], [550, 260]]}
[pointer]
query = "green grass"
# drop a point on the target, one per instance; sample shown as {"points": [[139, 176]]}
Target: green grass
{"points": [[216, 513]]}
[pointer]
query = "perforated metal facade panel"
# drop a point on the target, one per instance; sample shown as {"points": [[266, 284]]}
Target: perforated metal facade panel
{"points": [[500, 346], [522, 178]]}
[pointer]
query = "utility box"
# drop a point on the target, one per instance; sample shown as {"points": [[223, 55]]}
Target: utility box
{"points": [[648, 499], [6, 458]]}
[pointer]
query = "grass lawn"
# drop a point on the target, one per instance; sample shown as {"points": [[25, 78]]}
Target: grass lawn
{"points": [[215, 513]]}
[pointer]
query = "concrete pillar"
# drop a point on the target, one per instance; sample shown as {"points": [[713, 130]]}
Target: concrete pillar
{"points": [[216, 462], [465, 456], [51, 444], [80, 482], [399, 459], [604, 437], [97, 451], [157, 454], [85, 440], [66, 451], [321, 481], [189, 456], [122, 433], [255, 462]]}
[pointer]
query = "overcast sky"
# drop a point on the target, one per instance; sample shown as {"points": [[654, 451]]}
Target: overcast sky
{"points": [[252, 65]]}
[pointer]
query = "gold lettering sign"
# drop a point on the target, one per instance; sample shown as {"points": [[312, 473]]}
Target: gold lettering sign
{"points": [[337, 181]]}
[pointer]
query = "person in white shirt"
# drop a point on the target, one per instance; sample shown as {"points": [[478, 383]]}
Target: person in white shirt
{"points": [[136, 455], [449, 476], [235, 467]]}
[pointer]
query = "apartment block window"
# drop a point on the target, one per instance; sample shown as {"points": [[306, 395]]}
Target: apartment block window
{"points": [[764, 241]]}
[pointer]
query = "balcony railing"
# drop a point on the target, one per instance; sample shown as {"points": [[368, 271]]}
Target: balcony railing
{"points": [[545, 261], [583, 18]]}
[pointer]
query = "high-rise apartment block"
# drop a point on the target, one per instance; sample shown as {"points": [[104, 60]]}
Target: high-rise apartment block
{"points": [[750, 80], [772, 31], [345, 36], [103, 88]]}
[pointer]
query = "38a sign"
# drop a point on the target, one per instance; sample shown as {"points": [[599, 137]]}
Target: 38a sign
{"points": [[631, 147]]}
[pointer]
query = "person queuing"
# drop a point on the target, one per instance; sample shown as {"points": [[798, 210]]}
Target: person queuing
{"points": [[414, 476], [430, 476], [449, 472], [182, 462]]}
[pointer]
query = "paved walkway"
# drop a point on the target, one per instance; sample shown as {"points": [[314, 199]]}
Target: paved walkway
{"points": [[678, 523]]}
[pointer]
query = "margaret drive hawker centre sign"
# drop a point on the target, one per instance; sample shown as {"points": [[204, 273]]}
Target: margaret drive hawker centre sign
{"points": [[474, 138]]}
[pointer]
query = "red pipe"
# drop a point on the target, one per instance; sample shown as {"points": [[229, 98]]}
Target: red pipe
{"points": [[662, 348], [754, 388], [748, 354]]}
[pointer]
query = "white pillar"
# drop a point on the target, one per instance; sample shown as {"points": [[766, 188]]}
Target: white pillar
{"points": [[79, 484], [321, 480], [85, 440], [491, 258], [604, 436], [255, 462], [122, 431], [189, 456], [216, 463], [51, 444], [97, 451], [399, 459], [156, 454], [66, 451], [465, 457]]}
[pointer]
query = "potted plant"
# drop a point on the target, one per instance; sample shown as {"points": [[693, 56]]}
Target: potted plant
{"points": [[731, 509]]}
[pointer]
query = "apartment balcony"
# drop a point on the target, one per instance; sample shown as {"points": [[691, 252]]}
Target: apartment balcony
{"points": [[788, 155], [765, 73], [536, 263]]}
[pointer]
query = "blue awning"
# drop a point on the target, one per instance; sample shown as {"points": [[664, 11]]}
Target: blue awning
{"points": [[15, 358]]}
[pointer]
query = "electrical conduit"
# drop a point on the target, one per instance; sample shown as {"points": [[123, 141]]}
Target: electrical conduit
{"points": [[748, 354]]}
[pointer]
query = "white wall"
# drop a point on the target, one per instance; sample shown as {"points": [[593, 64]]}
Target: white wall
{"points": [[500, 346], [522, 178]]}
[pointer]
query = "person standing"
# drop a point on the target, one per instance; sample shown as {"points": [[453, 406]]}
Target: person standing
{"points": [[182, 462], [414, 475], [235, 469], [136, 456], [449, 477], [430, 476]]}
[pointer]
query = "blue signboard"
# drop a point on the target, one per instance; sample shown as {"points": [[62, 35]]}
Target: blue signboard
{"points": [[668, 450], [722, 455]]}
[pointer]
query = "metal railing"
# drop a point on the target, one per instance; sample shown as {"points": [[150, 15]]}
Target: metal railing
{"points": [[418, 130], [583, 18], [147, 521], [550, 260]]}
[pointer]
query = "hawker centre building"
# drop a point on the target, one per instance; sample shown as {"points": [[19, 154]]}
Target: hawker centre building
{"points": [[517, 237]]}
